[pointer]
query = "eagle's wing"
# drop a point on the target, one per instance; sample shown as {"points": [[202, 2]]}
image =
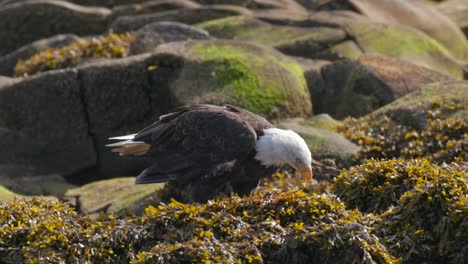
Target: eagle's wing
{"points": [[201, 141]]}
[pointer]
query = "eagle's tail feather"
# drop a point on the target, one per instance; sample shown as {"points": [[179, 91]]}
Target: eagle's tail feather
{"points": [[126, 137], [128, 146]]}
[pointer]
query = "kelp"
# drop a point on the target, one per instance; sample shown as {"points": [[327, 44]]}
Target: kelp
{"points": [[430, 134], [108, 46], [265, 227]]}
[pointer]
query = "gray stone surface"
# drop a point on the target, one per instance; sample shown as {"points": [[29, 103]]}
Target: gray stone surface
{"points": [[154, 34], [27, 21], [186, 16], [43, 124]]}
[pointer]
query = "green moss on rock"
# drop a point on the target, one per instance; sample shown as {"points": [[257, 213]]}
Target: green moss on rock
{"points": [[251, 29], [405, 43], [6, 195], [108, 46], [247, 75]]}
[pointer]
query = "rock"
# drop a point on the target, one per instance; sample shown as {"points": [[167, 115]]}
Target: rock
{"points": [[152, 7], [186, 16], [27, 180], [456, 10], [323, 143], [28, 21], [241, 73], [7, 195], [154, 34], [296, 41], [451, 95], [419, 15], [118, 102], [5, 81], [8, 62], [43, 124], [107, 3], [112, 196], [404, 43], [256, 4], [356, 88], [323, 121]]}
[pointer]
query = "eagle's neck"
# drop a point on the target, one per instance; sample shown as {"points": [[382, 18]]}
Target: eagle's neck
{"points": [[277, 147]]}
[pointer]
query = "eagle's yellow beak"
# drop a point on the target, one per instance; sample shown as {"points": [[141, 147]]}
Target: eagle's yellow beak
{"points": [[306, 174]]}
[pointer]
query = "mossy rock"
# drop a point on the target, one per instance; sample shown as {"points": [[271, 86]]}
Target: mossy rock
{"points": [[404, 43], [323, 121], [186, 15], [324, 144], [150, 36], [358, 87], [419, 15], [7, 195], [346, 49], [451, 94], [456, 10], [112, 196], [248, 75], [290, 40], [146, 7]]}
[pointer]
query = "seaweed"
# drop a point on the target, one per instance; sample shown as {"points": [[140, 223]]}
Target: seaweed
{"points": [[108, 46]]}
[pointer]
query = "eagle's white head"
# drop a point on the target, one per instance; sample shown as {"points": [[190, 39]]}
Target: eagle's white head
{"points": [[278, 147]]}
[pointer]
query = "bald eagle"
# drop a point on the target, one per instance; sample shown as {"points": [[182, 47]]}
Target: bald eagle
{"points": [[207, 150]]}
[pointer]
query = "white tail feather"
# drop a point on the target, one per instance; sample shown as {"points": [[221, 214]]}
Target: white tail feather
{"points": [[128, 146], [125, 143], [126, 137]]}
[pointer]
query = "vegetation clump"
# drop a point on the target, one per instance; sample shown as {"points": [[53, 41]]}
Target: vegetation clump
{"points": [[432, 135], [377, 185], [109, 46], [271, 226], [429, 223]]}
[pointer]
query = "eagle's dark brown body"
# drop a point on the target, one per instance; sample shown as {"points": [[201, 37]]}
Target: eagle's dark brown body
{"points": [[205, 150]]}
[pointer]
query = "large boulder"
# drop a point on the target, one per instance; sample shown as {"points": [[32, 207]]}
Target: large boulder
{"points": [[241, 73], [27, 180], [8, 62], [113, 196], [150, 36], [298, 41], [405, 43], [28, 21], [186, 16], [419, 15], [118, 102], [43, 123], [7, 195], [451, 96], [456, 10], [356, 88], [152, 7]]}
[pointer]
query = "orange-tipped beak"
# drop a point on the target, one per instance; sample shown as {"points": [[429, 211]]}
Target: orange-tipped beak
{"points": [[306, 174]]}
